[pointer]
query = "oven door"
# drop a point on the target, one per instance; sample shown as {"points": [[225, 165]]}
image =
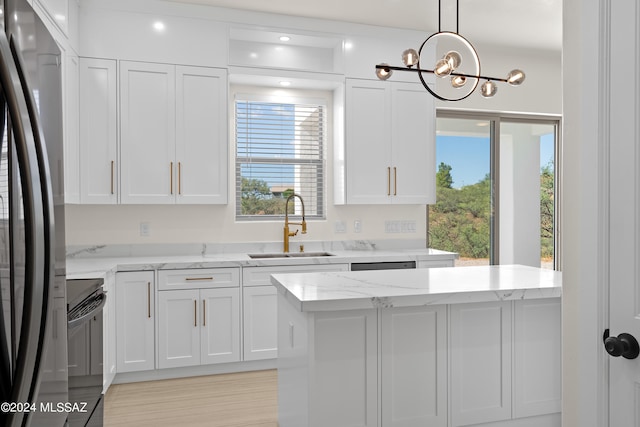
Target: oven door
{"points": [[84, 336]]}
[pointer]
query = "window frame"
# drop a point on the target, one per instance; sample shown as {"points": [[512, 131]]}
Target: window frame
{"points": [[495, 119], [295, 96]]}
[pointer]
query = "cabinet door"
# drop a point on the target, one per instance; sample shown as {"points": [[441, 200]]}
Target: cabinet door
{"points": [[480, 343], [178, 328], [368, 142], [98, 132], [135, 321], [147, 112], [201, 135], [220, 325], [260, 314], [414, 366], [413, 148], [344, 344]]}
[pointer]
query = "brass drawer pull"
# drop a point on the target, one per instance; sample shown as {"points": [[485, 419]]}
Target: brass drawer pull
{"points": [[195, 312], [190, 279], [395, 181], [149, 300], [171, 177], [179, 178], [112, 165], [204, 312], [388, 181]]}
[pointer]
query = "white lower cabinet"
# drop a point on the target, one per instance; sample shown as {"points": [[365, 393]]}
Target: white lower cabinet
{"points": [[260, 307], [493, 364], [414, 366], [200, 323], [135, 321], [480, 337]]}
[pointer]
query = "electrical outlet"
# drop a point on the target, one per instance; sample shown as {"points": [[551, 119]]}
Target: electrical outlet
{"points": [[391, 226], [145, 229], [340, 227], [408, 226], [357, 226]]}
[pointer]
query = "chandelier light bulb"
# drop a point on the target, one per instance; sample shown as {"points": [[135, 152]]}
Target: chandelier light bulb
{"points": [[488, 89], [458, 81], [383, 73], [454, 59], [410, 57], [516, 77], [442, 68]]}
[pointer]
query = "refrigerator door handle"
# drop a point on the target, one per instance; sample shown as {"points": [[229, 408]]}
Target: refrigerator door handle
{"points": [[38, 263]]}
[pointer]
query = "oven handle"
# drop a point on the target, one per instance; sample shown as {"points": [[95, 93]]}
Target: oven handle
{"points": [[82, 319]]}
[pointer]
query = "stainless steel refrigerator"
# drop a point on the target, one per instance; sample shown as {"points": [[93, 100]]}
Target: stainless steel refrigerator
{"points": [[33, 344]]}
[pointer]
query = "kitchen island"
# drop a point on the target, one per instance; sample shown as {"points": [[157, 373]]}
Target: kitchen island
{"points": [[460, 346]]}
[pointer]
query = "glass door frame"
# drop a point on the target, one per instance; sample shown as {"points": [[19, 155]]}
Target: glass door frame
{"points": [[495, 119]]}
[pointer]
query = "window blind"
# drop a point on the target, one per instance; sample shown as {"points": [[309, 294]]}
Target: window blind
{"points": [[279, 150]]}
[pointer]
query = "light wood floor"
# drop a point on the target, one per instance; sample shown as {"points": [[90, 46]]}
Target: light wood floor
{"points": [[246, 399]]}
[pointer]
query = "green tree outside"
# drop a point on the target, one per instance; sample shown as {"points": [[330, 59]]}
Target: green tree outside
{"points": [[460, 220], [257, 199]]}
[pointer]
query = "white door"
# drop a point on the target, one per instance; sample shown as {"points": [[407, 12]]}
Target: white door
{"points": [[178, 328], [147, 134], [260, 311], [624, 208], [98, 131], [414, 146], [220, 325], [201, 135], [135, 334], [368, 142]]}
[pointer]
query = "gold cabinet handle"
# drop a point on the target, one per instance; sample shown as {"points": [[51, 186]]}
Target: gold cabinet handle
{"points": [[395, 181], [204, 312], [198, 278], [149, 300], [179, 178], [171, 177], [388, 181], [112, 165], [195, 312]]}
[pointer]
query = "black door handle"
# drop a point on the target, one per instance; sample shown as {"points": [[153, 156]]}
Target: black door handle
{"points": [[624, 345]]}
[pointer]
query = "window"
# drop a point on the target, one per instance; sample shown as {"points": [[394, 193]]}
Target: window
{"points": [[496, 189], [279, 151]]}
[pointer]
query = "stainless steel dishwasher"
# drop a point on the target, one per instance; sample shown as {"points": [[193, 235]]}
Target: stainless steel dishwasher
{"points": [[385, 265]]}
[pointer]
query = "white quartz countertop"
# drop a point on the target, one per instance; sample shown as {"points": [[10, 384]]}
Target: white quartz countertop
{"points": [[427, 286], [99, 267]]}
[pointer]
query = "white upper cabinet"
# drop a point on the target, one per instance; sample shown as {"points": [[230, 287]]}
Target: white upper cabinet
{"points": [[147, 113], [98, 131], [390, 143], [201, 135], [173, 135]]}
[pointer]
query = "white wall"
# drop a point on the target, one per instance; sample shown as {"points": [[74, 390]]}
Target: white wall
{"points": [[197, 35]]}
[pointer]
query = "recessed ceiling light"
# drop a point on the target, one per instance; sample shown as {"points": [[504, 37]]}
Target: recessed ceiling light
{"points": [[158, 26], [253, 55], [285, 83], [285, 38]]}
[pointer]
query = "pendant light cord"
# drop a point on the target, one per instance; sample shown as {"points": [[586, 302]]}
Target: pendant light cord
{"points": [[457, 16]]}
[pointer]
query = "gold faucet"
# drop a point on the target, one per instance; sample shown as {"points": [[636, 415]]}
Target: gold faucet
{"points": [[303, 224]]}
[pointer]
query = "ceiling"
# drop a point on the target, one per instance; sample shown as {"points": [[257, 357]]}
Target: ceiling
{"points": [[535, 24]]}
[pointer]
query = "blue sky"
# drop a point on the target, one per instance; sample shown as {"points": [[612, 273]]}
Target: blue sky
{"points": [[469, 157]]}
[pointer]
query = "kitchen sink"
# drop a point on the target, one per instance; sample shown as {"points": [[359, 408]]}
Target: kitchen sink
{"points": [[290, 255]]}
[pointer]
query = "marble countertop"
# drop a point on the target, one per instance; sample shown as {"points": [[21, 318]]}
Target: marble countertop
{"points": [[403, 288], [100, 267]]}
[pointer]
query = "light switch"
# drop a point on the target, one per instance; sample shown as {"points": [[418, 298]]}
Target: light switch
{"points": [[145, 229]]}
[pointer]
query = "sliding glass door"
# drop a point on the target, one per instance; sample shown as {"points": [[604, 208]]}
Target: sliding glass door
{"points": [[496, 189]]}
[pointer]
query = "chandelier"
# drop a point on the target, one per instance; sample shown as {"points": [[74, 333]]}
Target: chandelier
{"points": [[458, 61]]}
